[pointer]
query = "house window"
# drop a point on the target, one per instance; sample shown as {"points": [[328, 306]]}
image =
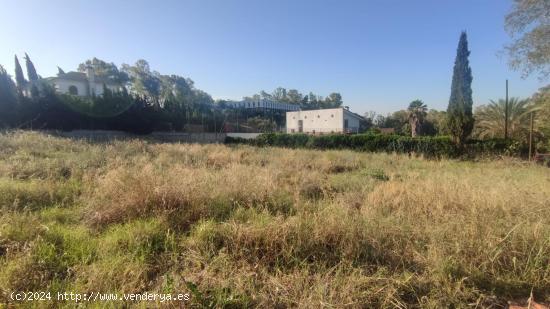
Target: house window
{"points": [[73, 90]]}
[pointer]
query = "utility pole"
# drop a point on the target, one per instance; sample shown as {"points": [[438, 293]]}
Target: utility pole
{"points": [[531, 137], [506, 113]]}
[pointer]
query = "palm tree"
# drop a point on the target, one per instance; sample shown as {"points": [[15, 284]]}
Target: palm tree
{"points": [[416, 112], [490, 119]]}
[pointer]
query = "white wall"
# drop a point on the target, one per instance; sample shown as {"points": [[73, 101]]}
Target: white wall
{"points": [[243, 135], [353, 121], [99, 88], [316, 121], [62, 86]]}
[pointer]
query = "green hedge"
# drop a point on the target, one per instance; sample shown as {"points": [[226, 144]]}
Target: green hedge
{"points": [[433, 147]]}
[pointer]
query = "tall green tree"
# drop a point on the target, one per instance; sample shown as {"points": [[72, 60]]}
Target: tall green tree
{"points": [[8, 98], [528, 24], [294, 96], [31, 70], [435, 123], [280, 94], [144, 82], [416, 113], [459, 111], [19, 77], [333, 100]]}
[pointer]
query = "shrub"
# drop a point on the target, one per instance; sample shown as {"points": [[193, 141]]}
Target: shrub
{"points": [[427, 146]]}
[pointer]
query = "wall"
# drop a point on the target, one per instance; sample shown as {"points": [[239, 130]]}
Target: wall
{"points": [[353, 121], [99, 88], [169, 137], [316, 121], [62, 86], [243, 135]]}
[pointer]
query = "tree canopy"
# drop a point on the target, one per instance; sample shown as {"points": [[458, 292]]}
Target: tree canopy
{"points": [[31, 70], [416, 114], [103, 69], [528, 24], [293, 96], [19, 77]]}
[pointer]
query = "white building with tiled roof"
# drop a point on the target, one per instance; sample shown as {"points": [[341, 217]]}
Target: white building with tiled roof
{"points": [[82, 84]]}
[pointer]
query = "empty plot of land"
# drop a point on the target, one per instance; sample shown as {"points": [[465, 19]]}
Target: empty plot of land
{"points": [[268, 227]]}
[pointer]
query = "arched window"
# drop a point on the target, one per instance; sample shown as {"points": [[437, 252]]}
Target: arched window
{"points": [[73, 90]]}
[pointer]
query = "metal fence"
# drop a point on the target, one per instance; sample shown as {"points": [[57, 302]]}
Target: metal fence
{"points": [[322, 131]]}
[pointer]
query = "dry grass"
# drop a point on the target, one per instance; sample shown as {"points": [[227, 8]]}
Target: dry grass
{"points": [[242, 226]]}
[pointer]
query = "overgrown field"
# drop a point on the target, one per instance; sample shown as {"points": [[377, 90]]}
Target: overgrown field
{"points": [[239, 226]]}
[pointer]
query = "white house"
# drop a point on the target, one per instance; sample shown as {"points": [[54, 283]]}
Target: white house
{"points": [[82, 84], [333, 120]]}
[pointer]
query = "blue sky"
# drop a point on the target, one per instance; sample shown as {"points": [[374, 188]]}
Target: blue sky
{"points": [[379, 55]]}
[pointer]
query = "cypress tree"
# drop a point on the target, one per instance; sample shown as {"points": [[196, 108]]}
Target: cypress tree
{"points": [[459, 111], [19, 77], [8, 98], [31, 71]]}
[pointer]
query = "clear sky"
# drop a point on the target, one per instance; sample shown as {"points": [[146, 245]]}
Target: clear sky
{"points": [[379, 55]]}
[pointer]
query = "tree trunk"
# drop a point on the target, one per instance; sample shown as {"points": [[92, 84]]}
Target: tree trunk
{"points": [[414, 127]]}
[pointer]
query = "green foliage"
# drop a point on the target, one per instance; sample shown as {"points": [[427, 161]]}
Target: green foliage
{"points": [[108, 105], [19, 77], [8, 99], [541, 107], [490, 119], [259, 124], [495, 146], [31, 70], [430, 147], [459, 111], [103, 69], [306, 102], [435, 123], [416, 114], [148, 101], [528, 24]]}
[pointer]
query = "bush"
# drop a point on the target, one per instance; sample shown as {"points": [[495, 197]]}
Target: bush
{"points": [[431, 147]]}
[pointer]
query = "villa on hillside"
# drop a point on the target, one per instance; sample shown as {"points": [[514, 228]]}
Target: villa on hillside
{"points": [[82, 84], [319, 121]]}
